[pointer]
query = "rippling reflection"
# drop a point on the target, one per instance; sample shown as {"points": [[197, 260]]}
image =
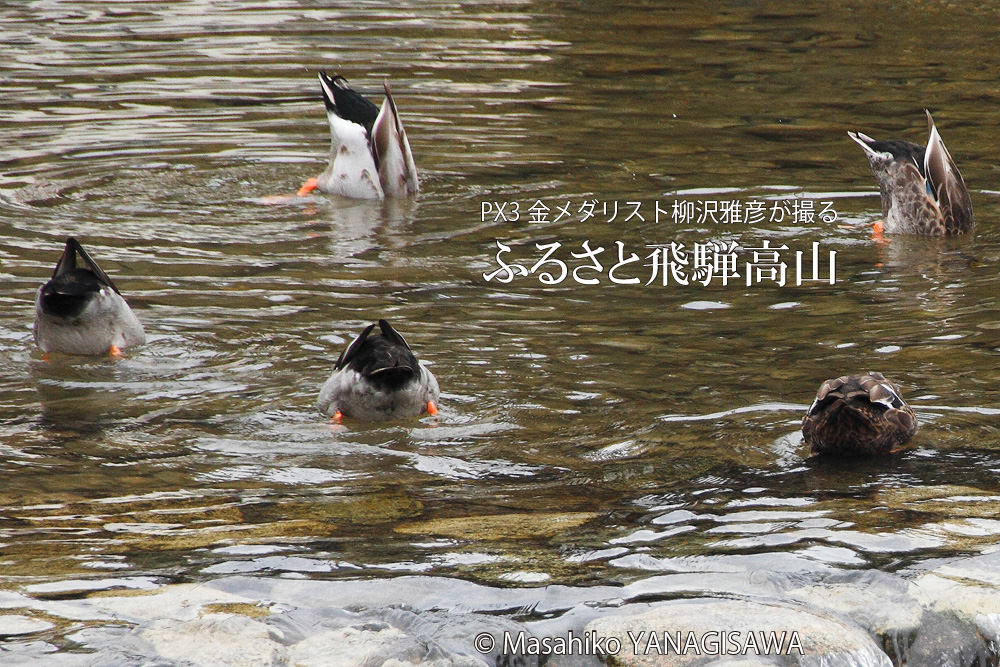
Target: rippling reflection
{"points": [[585, 432]]}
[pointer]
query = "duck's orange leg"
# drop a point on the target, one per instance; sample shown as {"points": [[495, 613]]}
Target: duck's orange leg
{"points": [[304, 191], [432, 408], [308, 187], [336, 422], [116, 352], [878, 235]]}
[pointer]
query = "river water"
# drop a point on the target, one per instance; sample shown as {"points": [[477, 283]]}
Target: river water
{"points": [[588, 433]]}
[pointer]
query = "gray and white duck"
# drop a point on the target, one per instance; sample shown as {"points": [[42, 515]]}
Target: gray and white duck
{"points": [[81, 311], [378, 378], [370, 156]]}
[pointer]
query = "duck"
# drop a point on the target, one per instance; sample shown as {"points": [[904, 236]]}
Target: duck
{"points": [[921, 188], [370, 156], [81, 311], [858, 415], [378, 378]]}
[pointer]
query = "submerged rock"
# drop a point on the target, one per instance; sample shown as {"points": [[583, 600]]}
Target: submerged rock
{"points": [[686, 632], [877, 601], [753, 611], [12, 625], [228, 640], [500, 526]]}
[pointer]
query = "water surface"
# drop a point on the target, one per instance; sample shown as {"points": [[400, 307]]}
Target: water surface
{"points": [[588, 433]]}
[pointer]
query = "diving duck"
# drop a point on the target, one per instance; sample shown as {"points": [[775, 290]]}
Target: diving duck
{"points": [[858, 415], [370, 156], [80, 310], [922, 191], [378, 378]]}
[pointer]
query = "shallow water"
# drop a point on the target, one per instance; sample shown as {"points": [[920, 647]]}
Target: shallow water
{"points": [[588, 433]]}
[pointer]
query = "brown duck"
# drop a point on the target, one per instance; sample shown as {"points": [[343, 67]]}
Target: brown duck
{"points": [[922, 191], [858, 415]]}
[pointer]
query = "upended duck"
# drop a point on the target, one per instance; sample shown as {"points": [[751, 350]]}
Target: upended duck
{"points": [[378, 378], [370, 157], [80, 310], [858, 415], [921, 188]]}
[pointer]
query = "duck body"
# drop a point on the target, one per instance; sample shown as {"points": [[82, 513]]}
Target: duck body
{"points": [[370, 156], [858, 415], [378, 378], [921, 188], [80, 310]]}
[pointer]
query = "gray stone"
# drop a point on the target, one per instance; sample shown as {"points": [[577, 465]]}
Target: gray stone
{"points": [[989, 627], [358, 647], [944, 641], [878, 602], [809, 639], [456, 633], [946, 595], [216, 640]]}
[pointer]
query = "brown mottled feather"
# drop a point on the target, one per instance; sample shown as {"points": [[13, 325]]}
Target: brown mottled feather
{"points": [[858, 415], [921, 188]]}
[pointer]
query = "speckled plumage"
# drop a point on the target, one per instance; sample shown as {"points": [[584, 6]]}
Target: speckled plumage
{"points": [[80, 310], [921, 188], [858, 415], [370, 156], [378, 378]]}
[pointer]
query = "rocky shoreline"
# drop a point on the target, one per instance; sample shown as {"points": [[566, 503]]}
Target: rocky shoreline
{"points": [[945, 614]]}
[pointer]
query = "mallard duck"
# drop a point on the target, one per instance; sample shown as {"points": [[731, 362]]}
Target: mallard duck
{"points": [[80, 310], [370, 156], [858, 415], [922, 191], [378, 378]]}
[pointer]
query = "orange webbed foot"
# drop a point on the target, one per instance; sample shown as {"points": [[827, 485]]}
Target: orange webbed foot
{"points": [[336, 422], [304, 191], [116, 352], [308, 187], [878, 235], [432, 408]]}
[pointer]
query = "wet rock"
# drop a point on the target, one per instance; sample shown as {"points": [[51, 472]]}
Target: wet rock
{"points": [[878, 602], [754, 630], [989, 627], [984, 568], [976, 605], [360, 647], [417, 592], [344, 647], [573, 623], [218, 640], [457, 633], [16, 624], [179, 601], [944, 641], [387, 634], [296, 625]]}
